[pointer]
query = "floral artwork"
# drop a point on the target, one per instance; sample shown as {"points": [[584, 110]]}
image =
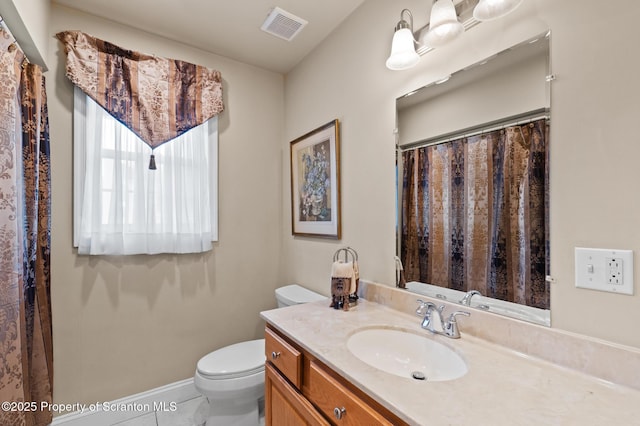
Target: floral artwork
{"points": [[314, 183], [315, 203]]}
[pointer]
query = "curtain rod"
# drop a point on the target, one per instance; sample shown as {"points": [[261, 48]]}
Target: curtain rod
{"points": [[513, 120], [5, 27]]}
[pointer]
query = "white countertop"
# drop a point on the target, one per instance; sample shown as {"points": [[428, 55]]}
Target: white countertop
{"points": [[502, 387]]}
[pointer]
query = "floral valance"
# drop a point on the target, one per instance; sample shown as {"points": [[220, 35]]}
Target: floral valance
{"points": [[157, 98]]}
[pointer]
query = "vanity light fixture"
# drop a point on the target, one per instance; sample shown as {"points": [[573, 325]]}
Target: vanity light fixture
{"points": [[448, 20], [403, 52], [444, 25], [487, 10]]}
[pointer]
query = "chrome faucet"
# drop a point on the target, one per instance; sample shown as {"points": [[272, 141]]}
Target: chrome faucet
{"points": [[466, 300], [432, 319]]}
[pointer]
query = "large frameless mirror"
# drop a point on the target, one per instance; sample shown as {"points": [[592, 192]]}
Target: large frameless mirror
{"points": [[473, 200]]}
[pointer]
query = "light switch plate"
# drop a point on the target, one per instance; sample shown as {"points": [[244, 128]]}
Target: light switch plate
{"points": [[604, 269]]}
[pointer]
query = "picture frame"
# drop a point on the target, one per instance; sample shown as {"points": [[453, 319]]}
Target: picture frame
{"points": [[315, 182]]}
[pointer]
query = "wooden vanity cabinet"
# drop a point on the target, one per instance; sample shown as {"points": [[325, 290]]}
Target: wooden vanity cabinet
{"points": [[301, 390]]}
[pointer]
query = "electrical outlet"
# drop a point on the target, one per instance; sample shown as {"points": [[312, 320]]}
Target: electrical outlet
{"points": [[613, 271], [604, 270]]}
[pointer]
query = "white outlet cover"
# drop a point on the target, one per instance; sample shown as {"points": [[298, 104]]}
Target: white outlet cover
{"points": [[591, 269]]}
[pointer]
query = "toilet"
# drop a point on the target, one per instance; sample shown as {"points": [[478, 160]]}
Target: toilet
{"points": [[232, 377]]}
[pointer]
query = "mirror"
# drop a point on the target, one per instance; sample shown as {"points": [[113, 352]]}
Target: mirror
{"points": [[502, 104]]}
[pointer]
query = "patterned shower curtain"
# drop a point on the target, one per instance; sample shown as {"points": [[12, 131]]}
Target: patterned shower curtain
{"points": [[475, 214], [26, 349]]}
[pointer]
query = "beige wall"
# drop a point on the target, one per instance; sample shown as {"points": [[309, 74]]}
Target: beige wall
{"points": [[516, 88], [594, 149], [123, 325]]}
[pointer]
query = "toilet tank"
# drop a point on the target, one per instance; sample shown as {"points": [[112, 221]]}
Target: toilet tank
{"points": [[294, 294]]}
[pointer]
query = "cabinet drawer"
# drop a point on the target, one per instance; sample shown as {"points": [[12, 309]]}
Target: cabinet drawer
{"points": [[338, 403], [286, 358]]}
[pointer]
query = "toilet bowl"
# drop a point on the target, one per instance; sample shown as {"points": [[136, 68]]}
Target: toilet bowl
{"points": [[232, 378]]}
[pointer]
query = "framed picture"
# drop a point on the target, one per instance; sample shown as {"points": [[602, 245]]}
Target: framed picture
{"points": [[315, 183]]}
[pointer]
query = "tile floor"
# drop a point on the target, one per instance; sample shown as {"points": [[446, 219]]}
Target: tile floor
{"points": [[189, 413]]}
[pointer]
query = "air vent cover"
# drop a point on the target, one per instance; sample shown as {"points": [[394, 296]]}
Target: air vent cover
{"points": [[283, 24]]}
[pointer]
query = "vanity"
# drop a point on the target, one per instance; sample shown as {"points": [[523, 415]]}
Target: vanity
{"points": [[516, 372], [301, 389]]}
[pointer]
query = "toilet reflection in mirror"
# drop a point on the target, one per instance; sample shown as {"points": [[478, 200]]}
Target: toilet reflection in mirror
{"points": [[473, 196]]}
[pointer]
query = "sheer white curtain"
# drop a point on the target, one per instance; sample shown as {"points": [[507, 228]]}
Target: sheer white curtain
{"points": [[121, 207]]}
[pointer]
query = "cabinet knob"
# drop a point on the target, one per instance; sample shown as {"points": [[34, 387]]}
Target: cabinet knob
{"points": [[339, 412], [275, 355]]}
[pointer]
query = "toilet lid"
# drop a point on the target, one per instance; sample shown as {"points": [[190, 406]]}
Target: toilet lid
{"points": [[238, 360], [294, 294]]}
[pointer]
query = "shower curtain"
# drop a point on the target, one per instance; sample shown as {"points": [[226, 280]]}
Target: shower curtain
{"points": [[26, 350], [475, 214]]}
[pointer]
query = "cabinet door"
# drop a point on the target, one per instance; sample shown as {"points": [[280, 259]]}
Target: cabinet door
{"points": [[338, 403], [285, 406]]}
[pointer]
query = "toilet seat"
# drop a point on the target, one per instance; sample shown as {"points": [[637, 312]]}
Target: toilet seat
{"points": [[239, 360]]}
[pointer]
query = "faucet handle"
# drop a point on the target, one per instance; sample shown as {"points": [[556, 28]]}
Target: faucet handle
{"points": [[423, 308], [451, 326], [452, 317]]}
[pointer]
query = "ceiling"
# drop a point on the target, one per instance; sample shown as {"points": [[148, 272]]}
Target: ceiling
{"points": [[229, 28]]}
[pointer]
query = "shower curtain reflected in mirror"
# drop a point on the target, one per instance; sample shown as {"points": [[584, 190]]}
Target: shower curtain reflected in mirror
{"points": [[26, 350], [475, 214]]}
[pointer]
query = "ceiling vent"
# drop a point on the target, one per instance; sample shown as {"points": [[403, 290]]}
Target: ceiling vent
{"points": [[283, 24]]}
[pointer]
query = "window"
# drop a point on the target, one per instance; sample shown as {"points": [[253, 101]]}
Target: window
{"points": [[121, 207]]}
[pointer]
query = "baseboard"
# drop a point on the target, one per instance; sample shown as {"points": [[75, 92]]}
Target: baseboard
{"points": [[164, 398]]}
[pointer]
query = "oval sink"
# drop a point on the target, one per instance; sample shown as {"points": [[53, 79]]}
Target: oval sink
{"points": [[406, 354]]}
